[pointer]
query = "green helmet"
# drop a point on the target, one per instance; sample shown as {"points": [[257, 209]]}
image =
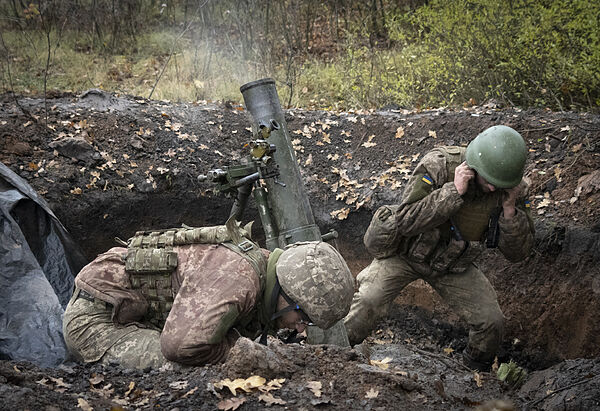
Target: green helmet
{"points": [[316, 277], [498, 154]]}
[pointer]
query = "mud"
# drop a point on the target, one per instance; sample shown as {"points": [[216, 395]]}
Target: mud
{"points": [[110, 165]]}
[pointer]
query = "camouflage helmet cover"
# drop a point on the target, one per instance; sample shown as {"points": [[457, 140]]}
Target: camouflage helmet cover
{"points": [[498, 154], [316, 277]]}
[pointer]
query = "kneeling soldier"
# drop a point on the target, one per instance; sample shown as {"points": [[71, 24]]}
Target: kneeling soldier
{"points": [[186, 295], [456, 202]]}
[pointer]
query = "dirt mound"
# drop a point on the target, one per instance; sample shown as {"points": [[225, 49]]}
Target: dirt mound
{"points": [[111, 165]]}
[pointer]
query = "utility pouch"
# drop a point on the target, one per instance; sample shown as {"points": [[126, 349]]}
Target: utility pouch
{"points": [[446, 257], [423, 246], [474, 250], [381, 238], [151, 260]]}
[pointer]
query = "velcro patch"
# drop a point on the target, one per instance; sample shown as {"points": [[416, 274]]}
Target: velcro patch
{"points": [[527, 204], [427, 179]]}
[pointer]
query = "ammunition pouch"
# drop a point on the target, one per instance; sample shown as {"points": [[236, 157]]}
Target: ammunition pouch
{"points": [[151, 260], [382, 238], [453, 256], [424, 245]]}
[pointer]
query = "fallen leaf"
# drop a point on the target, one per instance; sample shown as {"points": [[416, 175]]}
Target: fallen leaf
{"points": [[231, 404], [270, 400], [478, 379], [369, 142], [83, 404], [372, 393], [247, 385], [383, 364], [340, 214], [544, 203], [43, 381], [105, 391], [557, 172], [179, 385], [272, 385], [449, 350], [432, 134], [565, 128], [495, 364], [308, 160], [16, 369], [76, 190], [96, 379], [131, 387], [576, 147], [315, 387], [399, 132]]}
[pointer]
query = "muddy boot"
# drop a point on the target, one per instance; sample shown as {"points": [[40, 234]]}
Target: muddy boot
{"points": [[477, 360]]}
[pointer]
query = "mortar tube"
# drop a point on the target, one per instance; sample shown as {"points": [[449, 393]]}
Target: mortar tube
{"points": [[290, 207], [289, 203]]}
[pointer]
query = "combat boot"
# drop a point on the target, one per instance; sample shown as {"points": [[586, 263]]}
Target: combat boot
{"points": [[477, 360]]}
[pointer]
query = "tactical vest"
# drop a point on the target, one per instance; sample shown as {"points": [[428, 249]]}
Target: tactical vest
{"points": [[473, 217], [454, 245], [151, 260], [450, 247]]}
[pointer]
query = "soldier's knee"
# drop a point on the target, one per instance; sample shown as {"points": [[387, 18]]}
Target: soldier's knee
{"points": [[199, 354], [492, 323]]}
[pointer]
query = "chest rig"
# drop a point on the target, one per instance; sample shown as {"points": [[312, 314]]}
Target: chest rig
{"points": [[472, 219], [151, 260], [455, 244]]}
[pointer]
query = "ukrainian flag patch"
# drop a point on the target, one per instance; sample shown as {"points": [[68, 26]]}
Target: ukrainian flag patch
{"points": [[527, 204], [427, 179]]}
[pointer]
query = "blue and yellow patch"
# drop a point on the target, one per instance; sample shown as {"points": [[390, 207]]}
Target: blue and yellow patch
{"points": [[527, 204], [427, 179]]}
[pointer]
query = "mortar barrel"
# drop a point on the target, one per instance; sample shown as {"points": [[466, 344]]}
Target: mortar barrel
{"points": [[288, 201]]}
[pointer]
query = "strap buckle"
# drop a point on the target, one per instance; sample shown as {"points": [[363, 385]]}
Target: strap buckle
{"points": [[246, 245]]}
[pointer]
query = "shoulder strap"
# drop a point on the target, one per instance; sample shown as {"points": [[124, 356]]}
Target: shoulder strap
{"points": [[246, 248]]}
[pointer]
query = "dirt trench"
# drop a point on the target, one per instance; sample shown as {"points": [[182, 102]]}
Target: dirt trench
{"points": [[110, 165]]}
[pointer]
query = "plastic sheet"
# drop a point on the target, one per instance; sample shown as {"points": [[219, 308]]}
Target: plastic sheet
{"points": [[38, 263]]}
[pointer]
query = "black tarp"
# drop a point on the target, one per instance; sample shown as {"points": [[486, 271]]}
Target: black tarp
{"points": [[38, 263]]}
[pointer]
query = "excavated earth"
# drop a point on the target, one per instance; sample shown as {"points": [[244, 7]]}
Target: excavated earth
{"points": [[110, 165]]}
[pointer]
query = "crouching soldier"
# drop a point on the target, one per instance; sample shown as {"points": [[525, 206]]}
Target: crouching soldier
{"points": [[186, 295], [457, 201]]}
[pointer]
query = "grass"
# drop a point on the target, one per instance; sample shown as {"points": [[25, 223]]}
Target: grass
{"points": [[193, 72]]}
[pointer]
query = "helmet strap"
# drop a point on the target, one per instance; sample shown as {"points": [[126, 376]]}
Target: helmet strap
{"points": [[277, 291]]}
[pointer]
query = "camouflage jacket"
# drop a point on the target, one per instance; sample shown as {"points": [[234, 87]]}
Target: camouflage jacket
{"points": [[432, 213], [215, 290]]}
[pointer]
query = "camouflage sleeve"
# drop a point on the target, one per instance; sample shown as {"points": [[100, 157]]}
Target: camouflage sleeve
{"points": [[428, 199], [517, 234]]}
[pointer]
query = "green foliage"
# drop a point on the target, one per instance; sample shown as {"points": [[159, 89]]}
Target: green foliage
{"points": [[524, 52]]}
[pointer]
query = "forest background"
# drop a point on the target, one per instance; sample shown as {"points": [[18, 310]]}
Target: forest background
{"points": [[330, 54]]}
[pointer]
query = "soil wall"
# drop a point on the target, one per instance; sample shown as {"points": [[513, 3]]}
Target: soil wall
{"points": [[112, 165]]}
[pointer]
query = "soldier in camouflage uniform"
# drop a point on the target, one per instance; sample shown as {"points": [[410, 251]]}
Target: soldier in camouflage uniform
{"points": [[456, 202], [128, 308]]}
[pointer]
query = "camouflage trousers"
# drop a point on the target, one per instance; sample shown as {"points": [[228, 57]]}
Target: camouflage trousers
{"points": [[91, 335], [469, 294]]}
